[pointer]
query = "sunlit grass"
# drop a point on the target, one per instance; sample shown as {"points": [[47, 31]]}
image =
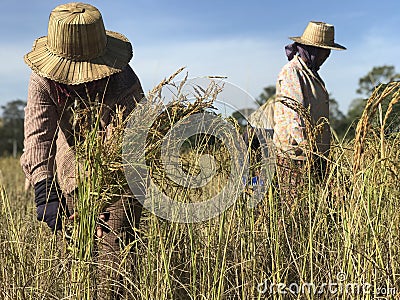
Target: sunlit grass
{"points": [[344, 231]]}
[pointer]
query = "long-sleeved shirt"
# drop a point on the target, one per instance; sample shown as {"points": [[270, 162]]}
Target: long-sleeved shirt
{"points": [[49, 134], [296, 82]]}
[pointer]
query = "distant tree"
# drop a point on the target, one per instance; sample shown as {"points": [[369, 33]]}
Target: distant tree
{"points": [[267, 93], [376, 78], [12, 130], [241, 115], [393, 121], [337, 119]]}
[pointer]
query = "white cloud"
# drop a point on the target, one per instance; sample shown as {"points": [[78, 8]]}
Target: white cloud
{"points": [[248, 63]]}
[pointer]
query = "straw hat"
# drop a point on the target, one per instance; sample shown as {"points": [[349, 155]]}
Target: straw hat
{"points": [[319, 34], [77, 48]]}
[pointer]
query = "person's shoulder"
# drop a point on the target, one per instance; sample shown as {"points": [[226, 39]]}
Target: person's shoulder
{"points": [[124, 83], [128, 71], [127, 76], [39, 81], [293, 64], [292, 67], [36, 77]]}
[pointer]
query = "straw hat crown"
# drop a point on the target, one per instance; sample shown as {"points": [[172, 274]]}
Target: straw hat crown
{"points": [[83, 33], [319, 34], [77, 48]]}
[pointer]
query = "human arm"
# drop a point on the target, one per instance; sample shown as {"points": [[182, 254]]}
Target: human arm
{"points": [[40, 131], [37, 161], [288, 121]]}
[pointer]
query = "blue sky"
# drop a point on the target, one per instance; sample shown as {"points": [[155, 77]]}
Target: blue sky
{"points": [[242, 40]]}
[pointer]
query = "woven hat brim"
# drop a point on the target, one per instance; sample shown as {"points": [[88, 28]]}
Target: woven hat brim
{"points": [[116, 56], [333, 46]]}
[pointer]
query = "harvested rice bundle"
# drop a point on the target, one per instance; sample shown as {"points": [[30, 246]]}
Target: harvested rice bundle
{"points": [[139, 141]]}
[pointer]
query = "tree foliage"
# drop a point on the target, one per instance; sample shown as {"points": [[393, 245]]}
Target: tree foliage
{"points": [[377, 78], [337, 119], [12, 127], [240, 115], [266, 94]]}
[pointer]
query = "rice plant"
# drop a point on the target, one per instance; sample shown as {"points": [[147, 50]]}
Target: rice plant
{"points": [[339, 239]]}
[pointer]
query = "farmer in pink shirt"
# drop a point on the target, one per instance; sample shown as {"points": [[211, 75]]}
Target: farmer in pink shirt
{"points": [[300, 88]]}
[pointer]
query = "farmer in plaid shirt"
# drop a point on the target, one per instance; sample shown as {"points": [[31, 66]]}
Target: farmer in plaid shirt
{"points": [[77, 60]]}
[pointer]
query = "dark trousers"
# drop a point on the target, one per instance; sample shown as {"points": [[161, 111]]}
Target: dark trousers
{"points": [[291, 175]]}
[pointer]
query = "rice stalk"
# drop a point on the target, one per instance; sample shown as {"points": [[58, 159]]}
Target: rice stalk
{"points": [[364, 125]]}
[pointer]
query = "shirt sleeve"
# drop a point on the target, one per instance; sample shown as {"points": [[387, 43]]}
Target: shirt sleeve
{"points": [[40, 131], [289, 89]]}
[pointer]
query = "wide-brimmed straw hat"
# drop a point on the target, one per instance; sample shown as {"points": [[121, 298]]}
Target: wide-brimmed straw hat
{"points": [[77, 48], [319, 34]]}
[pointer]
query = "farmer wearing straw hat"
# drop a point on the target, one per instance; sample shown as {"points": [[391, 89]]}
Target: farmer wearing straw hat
{"points": [[77, 61], [302, 101]]}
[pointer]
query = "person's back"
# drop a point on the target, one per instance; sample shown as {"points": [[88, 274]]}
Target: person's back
{"points": [[297, 89], [302, 104], [77, 64], [57, 102]]}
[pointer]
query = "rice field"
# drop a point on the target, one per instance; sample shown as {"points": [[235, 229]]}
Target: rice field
{"points": [[339, 239]]}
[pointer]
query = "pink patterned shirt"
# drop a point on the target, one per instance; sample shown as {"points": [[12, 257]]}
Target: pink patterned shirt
{"points": [[296, 82]]}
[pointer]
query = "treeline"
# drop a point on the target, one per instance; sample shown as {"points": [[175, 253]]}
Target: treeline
{"points": [[374, 81], [12, 117], [12, 128]]}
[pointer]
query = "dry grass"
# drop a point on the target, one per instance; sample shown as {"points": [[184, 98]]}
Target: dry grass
{"points": [[340, 226]]}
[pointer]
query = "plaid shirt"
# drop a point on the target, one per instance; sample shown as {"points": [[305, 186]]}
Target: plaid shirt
{"points": [[297, 82], [49, 130]]}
